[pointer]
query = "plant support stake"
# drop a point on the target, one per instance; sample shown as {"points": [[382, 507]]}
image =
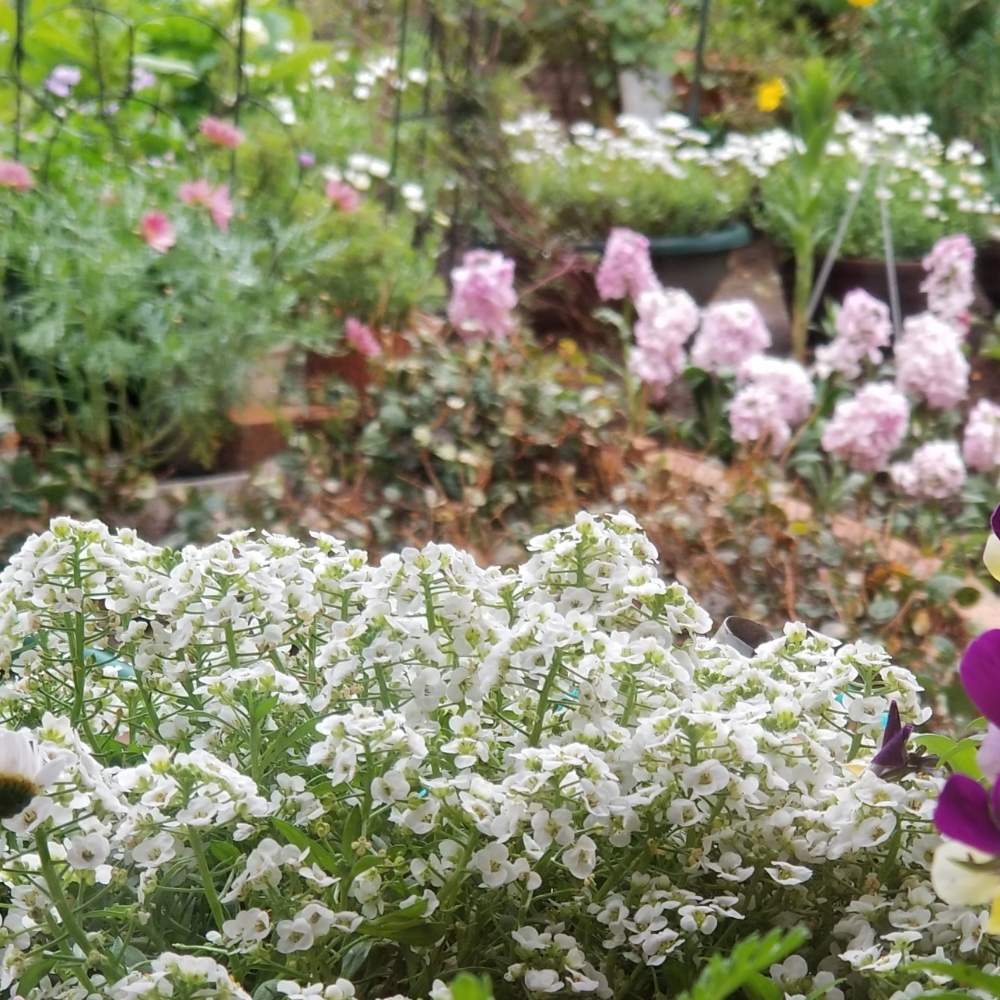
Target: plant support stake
{"points": [[694, 104], [890, 256]]}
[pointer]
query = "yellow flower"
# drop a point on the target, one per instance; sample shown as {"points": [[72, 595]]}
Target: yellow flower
{"points": [[861, 3], [770, 94]]}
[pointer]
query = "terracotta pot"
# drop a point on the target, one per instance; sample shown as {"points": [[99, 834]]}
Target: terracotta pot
{"points": [[867, 273], [988, 270]]}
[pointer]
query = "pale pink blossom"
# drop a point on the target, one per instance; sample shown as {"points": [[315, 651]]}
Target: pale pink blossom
{"points": [[665, 319], [62, 80], [787, 380], [341, 194], [981, 444], [731, 332], [626, 270], [935, 471], [868, 427], [657, 367], [219, 132], [755, 414], [16, 176], [483, 296], [215, 199], [929, 362], [158, 232], [949, 284], [863, 329], [362, 338]]}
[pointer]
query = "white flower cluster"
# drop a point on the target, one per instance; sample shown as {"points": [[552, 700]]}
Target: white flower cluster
{"points": [[281, 764]]}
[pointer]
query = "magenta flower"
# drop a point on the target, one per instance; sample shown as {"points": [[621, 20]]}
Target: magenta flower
{"points": [[625, 270], [362, 338], [215, 199], [966, 812], [341, 194], [894, 759], [16, 176], [158, 232], [220, 132], [482, 296], [62, 80]]}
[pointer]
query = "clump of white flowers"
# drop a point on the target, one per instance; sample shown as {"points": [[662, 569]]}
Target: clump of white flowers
{"points": [[282, 768]]}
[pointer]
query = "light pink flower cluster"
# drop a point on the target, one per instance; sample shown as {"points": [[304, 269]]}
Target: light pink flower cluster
{"points": [[863, 329], [731, 332], [362, 338], [16, 176], [666, 318], [755, 415], [215, 199], [950, 268], [929, 362], [625, 270], [158, 232], [483, 296], [62, 80], [935, 472], [219, 132], [787, 380], [341, 194], [868, 427], [981, 444]]}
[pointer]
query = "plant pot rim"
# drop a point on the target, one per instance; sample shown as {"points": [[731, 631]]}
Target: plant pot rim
{"points": [[728, 237]]}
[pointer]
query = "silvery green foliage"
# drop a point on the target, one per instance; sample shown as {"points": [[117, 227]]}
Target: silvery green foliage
{"points": [[289, 771]]}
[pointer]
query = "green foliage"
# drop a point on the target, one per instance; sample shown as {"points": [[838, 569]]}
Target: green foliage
{"points": [[724, 975]]}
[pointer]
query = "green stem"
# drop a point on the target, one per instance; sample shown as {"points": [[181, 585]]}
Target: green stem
{"points": [[543, 700], [214, 904]]}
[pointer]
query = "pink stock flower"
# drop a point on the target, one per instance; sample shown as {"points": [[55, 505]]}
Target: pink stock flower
{"points": [[625, 270], [657, 368], [666, 318], [341, 194], [731, 332], [221, 133], [755, 414], [981, 444], [863, 329], [935, 472], [482, 296], [156, 229], [362, 338], [949, 284], [788, 381], [930, 364], [215, 199], [16, 176], [868, 427]]}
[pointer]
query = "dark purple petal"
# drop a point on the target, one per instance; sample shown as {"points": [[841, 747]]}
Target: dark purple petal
{"points": [[980, 673], [893, 752], [963, 813], [995, 521], [893, 724]]}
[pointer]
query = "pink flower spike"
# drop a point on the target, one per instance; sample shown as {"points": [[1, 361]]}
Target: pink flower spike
{"points": [[362, 338], [16, 176], [158, 232], [626, 270], [220, 132], [482, 296], [345, 197], [220, 207], [197, 192]]}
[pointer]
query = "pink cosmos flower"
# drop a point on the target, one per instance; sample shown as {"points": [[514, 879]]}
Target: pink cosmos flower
{"points": [[755, 414], [625, 270], [215, 199], [790, 383], [981, 444], [362, 338], [950, 268], [863, 329], [158, 232], [345, 197], [935, 472], [483, 296], [16, 176], [868, 427], [929, 362], [219, 132], [731, 332]]}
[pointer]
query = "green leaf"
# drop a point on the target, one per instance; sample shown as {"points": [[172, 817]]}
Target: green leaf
{"points": [[355, 957], [323, 856], [725, 974], [759, 987], [966, 975], [224, 851], [466, 986], [959, 755], [33, 975], [352, 831], [406, 926], [164, 66]]}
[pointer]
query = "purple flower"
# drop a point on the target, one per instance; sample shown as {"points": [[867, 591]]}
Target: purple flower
{"points": [[980, 672], [142, 79], [893, 759], [62, 80], [306, 159], [966, 812], [991, 557]]}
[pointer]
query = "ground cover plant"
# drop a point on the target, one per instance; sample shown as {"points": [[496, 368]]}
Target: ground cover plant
{"points": [[270, 768]]}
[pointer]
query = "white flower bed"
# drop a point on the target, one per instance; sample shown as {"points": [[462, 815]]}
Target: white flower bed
{"points": [[282, 766]]}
